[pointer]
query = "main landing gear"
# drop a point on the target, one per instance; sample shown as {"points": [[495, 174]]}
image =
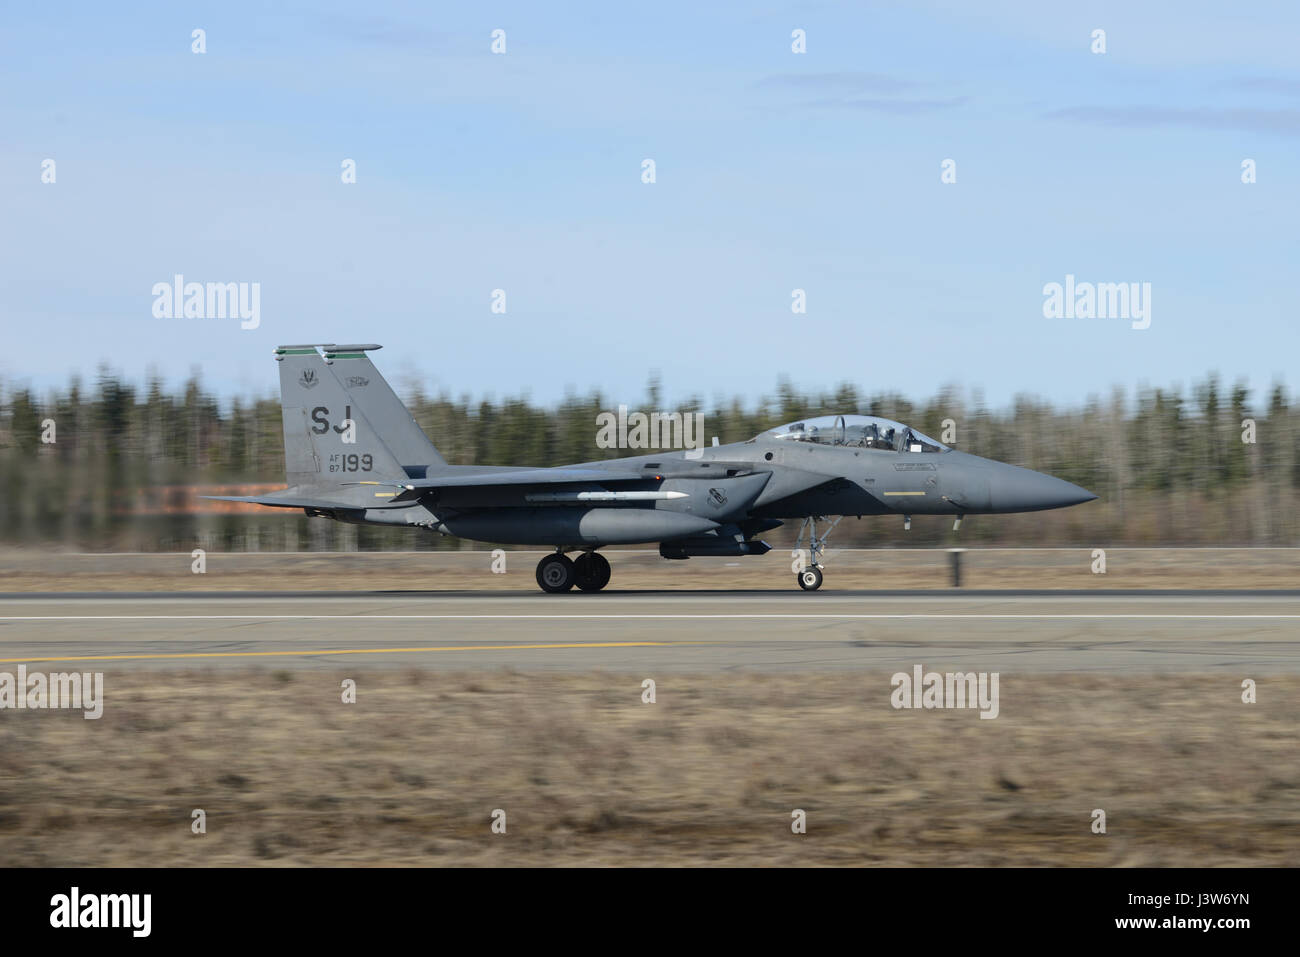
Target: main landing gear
{"points": [[556, 573], [810, 576]]}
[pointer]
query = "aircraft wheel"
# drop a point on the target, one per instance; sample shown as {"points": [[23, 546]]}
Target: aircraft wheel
{"points": [[592, 571], [810, 579], [555, 573]]}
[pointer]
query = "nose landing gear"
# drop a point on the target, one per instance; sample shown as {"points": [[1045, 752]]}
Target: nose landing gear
{"points": [[810, 579], [810, 576]]}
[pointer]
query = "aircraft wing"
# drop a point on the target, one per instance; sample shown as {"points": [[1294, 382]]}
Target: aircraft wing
{"points": [[412, 489], [528, 477], [561, 476]]}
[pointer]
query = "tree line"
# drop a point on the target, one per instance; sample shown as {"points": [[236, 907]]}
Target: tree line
{"points": [[89, 466]]}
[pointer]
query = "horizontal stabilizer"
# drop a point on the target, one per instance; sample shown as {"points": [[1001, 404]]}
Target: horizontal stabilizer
{"points": [[272, 500], [275, 500]]}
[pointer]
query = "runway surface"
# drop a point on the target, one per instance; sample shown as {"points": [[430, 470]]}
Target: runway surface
{"points": [[614, 594], [1242, 633]]}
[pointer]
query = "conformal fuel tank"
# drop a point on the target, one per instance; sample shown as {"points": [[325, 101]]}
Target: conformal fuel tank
{"points": [[574, 526]]}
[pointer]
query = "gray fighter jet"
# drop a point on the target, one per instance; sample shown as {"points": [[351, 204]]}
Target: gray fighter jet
{"points": [[353, 453]]}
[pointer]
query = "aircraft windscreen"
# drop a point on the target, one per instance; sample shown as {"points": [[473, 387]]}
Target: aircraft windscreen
{"points": [[857, 431]]}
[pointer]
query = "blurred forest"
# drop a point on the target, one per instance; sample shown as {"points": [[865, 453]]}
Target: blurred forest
{"points": [[1171, 468]]}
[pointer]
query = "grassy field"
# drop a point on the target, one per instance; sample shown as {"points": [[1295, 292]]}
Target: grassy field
{"points": [[589, 775]]}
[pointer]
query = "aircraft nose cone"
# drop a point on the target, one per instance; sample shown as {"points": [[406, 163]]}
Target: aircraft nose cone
{"points": [[1023, 490]]}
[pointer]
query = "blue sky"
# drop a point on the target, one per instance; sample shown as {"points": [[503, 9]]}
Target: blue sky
{"points": [[775, 171]]}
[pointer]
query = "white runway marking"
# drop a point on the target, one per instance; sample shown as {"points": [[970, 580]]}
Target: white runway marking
{"points": [[654, 617]]}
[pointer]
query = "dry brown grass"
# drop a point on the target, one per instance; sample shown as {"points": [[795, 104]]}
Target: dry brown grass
{"points": [[876, 569], [588, 775]]}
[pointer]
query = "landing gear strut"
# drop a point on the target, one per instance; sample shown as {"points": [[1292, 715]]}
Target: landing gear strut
{"points": [[558, 573], [810, 576]]}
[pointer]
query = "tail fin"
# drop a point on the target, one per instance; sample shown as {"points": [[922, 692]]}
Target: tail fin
{"points": [[374, 397], [327, 439]]}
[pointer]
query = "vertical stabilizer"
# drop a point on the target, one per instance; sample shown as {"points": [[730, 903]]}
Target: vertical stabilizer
{"points": [[328, 440], [374, 397]]}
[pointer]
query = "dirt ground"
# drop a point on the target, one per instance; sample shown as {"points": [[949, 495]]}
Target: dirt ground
{"points": [[878, 569], [710, 773]]}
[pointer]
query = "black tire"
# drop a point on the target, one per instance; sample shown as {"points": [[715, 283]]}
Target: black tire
{"points": [[592, 571], [555, 574], [810, 579]]}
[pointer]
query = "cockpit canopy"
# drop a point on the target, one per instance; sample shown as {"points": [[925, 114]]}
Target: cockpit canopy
{"points": [[856, 431]]}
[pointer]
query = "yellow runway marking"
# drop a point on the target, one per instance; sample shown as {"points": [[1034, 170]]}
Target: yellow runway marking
{"points": [[354, 651]]}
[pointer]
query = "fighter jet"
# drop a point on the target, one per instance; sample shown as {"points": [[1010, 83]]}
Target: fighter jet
{"points": [[353, 453]]}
